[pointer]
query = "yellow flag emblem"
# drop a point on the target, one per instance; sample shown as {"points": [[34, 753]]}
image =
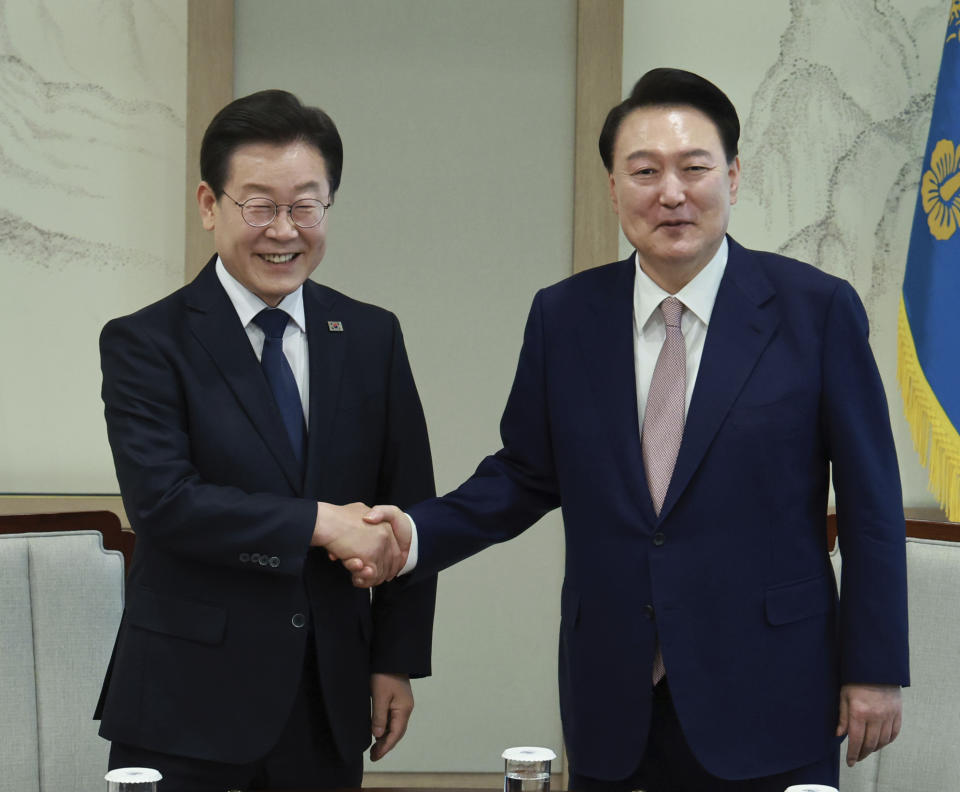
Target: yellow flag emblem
{"points": [[940, 190]]}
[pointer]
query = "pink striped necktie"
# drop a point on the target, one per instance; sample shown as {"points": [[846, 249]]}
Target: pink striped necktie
{"points": [[663, 418]]}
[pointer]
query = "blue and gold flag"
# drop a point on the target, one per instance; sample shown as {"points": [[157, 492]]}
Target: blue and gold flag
{"points": [[928, 354]]}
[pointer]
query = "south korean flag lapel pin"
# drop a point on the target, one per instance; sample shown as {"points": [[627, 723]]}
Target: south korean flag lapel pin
{"points": [[335, 327]]}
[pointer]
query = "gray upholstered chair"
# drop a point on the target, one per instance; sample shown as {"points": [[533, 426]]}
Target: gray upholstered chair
{"points": [[61, 597], [925, 757]]}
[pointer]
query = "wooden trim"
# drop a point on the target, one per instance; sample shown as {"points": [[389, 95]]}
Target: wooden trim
{"points": [[55, 504], [931, 529], [210, 31], [919, 524], [596, 232], [107, 523]]}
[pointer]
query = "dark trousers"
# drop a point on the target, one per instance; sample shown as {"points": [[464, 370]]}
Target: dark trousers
{"points": [[669, 765], [305, 757]]}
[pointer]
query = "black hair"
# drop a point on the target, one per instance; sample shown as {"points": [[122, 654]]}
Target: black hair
{"points": [[271, 116], [671, 88]]}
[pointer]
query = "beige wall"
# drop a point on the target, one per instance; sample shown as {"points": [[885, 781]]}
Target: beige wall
{"points": [[92, 106]]}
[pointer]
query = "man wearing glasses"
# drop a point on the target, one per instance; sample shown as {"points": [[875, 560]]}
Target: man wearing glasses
{"points": [[238, 410]]}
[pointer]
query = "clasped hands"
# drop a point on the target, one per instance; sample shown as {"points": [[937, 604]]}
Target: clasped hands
{"points": [[372, 544]]}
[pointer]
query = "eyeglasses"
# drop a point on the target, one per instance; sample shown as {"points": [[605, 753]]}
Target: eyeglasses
{"points": [[260, 212]]}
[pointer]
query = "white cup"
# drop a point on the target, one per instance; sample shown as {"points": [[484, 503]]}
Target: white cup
{"points": [[810, 788], [132, 779], [527, 769]]}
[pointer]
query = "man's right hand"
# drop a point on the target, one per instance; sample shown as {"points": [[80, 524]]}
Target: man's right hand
{"points": [[370, 551], [393, 518]]}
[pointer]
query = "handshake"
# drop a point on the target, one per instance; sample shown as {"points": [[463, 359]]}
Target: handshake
{"points": [[372, 544]]}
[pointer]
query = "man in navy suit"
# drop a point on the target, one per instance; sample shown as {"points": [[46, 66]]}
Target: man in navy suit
{"points": [[245, 657], [702, 643]]}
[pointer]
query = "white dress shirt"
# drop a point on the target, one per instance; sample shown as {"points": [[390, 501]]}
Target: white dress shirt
{"points": [[248, 305]]}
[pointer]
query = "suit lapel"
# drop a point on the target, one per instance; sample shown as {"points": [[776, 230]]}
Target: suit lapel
{"points": [[608, 351], [743, 322], [327, 353], [215, 324]]}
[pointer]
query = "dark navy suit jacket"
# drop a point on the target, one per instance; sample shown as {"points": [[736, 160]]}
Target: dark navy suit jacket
{"points": [[209, 651], [734, 575]]}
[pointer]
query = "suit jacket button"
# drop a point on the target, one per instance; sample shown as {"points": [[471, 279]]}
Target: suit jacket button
{"points": [[263, 560], [274, 562], [648, 611], [255, 557], [298, 620], [658, 539], [244, 558]]}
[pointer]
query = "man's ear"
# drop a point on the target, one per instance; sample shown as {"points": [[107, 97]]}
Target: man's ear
{"points": [[613, 194], [206, 203], [734, 174]]}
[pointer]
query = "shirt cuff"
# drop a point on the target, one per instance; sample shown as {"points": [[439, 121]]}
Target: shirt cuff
{"points": [[413, 554]]}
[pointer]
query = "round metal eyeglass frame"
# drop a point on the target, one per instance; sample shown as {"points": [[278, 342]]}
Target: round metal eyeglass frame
{"points": [[313, 203]]}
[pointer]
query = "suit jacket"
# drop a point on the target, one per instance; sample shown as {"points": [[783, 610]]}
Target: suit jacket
{"points": [[224, 588], [733, 576]]}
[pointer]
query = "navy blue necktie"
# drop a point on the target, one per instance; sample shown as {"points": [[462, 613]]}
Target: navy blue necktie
{"points": [[280, 377]]}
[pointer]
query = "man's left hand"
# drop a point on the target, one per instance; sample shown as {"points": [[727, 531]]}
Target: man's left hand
{"points": [[392, 704], [870, 717]]}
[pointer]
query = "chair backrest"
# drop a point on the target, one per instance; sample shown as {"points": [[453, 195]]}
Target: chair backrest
{"points": [[61, 598], [924, 758], [106, 522]]}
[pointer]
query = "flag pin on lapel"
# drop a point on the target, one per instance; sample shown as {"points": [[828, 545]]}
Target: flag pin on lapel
{"points": [[335, 327]]}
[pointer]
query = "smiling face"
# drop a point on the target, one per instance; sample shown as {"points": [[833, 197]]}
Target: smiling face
{"points": [[673, 188], [274, 260]]}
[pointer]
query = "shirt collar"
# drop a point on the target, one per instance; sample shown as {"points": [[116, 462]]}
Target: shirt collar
{"points": [[699, 295], [247, 304]]}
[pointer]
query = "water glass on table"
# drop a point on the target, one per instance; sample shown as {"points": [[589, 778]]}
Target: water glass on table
{"points": [[132, 779], [527, 769]]}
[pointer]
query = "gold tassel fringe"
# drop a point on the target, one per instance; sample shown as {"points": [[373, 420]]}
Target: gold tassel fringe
{"points": [[934, 436]]}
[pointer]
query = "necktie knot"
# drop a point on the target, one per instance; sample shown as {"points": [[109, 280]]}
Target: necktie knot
{"points": [[272, 321], [672, 309]]}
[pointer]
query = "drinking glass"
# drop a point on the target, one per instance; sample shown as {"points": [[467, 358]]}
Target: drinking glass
{"points": [[132, 779], [527, 769]]}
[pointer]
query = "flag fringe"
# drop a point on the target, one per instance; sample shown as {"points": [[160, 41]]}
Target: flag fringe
{"points": [[934, 436]]}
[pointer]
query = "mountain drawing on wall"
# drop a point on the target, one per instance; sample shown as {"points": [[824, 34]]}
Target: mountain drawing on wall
{"points": [[85, 144], [836, 133]]}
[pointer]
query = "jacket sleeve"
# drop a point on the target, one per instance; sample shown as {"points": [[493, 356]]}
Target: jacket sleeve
{"points": [[403, 610], [873, 590]]}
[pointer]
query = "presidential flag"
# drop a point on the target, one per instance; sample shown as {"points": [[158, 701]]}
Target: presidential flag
{"points": [[928, 327]]}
